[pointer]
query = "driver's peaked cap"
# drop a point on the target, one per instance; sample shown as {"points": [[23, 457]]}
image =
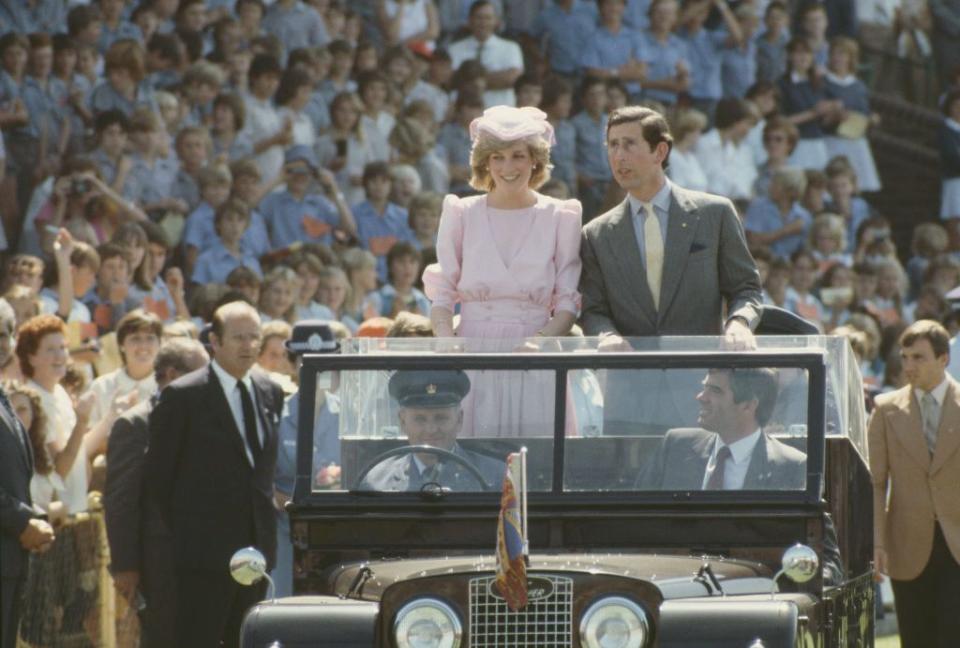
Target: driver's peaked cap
{"points": [[429, 389]]}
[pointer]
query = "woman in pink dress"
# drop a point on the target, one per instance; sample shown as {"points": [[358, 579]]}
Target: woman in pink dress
{"points": [[511, 259]]}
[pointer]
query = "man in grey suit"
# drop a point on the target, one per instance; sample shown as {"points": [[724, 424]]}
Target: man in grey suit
{"points": [[430, 414], [729, 451], [666, 259], [140, 546]]}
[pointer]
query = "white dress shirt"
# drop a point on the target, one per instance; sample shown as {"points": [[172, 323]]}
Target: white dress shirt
{"points": [[229, 385], [735, 472], [497, 54]]}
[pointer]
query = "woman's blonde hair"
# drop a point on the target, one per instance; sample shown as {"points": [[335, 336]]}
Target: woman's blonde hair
{"points": [[486, 145], [831, 223]]}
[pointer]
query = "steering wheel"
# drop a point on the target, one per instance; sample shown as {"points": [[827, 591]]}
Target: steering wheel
{"points": [[425, 449]]}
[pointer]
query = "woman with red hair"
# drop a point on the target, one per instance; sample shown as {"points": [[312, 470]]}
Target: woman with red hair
{"points": [[43, 355]]}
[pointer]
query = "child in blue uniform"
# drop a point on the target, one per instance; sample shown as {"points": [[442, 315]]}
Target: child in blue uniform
{"points": [[299, 214], [380, 223], [844, 86], [218, 260]]}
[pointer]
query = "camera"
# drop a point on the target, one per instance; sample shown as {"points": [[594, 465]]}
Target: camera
{"points": [[79, 186]]}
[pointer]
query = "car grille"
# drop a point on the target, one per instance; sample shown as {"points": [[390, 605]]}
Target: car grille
{"points": [[545, 623]]}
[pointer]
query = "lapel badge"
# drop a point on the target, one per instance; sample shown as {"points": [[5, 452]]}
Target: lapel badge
{"points": [[431, 389]]}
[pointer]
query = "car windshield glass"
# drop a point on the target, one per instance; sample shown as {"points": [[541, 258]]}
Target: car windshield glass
{"points": [[382, 430]]}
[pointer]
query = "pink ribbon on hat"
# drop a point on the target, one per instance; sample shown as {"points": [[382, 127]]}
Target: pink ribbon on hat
{"points": [[508, 124]]}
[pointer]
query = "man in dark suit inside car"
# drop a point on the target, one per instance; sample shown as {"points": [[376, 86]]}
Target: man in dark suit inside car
{"points": [[730, 451], [430, 414]]}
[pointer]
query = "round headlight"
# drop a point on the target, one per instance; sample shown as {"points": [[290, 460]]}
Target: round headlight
{"points": [[427, 623], [614, 622]]}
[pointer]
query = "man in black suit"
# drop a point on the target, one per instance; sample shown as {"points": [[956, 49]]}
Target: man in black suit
{"points": [[140, 556], [209, 470], [430, 415], [730, 450], [21, 531]]}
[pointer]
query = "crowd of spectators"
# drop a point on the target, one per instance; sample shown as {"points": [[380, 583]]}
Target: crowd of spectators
{"points": [[167, 157]]}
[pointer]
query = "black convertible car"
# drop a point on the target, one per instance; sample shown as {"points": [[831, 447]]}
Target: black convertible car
{"points": [[634, 541]]}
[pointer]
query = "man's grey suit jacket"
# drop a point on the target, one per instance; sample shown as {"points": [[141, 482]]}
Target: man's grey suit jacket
{"points": [[706, 262], [401, 474], [681, 462]]}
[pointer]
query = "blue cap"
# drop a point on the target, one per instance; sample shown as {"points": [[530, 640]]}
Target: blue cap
{"points": [[429, 389], [299, 153]]}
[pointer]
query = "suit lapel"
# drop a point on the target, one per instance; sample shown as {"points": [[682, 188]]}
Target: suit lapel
{"points": [[20, 434], [948, 436], [758, 472], [265, 411], [625, 256], [907, 426], [221, 410], [681, 225], [695, 463]]}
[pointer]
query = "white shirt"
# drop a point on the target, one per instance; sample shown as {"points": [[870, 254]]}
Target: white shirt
{"points": [[106, 387], [939, 393], [498, 55], [264, 121], [685, 170], [735, 472], [61, 419], [50, 304], [229, 385], [729, 167]]}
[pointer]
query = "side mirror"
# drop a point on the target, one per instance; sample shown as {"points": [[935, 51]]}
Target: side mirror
{"points": [[248, 566], [799, 563]]}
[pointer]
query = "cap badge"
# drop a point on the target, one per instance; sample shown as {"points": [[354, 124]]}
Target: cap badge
{"points": [[315, 342], [431, 389]]}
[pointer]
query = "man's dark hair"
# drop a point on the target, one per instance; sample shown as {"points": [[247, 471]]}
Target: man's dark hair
{"points": [[63, 43], [729, 111], [528, 79], [378, 169], [931, 331], [264, 64], [748, 384], [553, 89], [654, 125], [81, 17], [478, 5], [109, 251], [108, 118], [167, 46]]}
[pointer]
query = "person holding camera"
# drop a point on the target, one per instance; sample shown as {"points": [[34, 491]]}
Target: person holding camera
{"points": [[85, 205]]}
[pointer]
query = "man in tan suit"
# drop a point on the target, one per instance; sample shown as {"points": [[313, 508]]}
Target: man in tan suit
{"points": [[914, 439]]}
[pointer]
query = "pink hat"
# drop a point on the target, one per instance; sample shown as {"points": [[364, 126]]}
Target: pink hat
{"points": [[508, 124]]}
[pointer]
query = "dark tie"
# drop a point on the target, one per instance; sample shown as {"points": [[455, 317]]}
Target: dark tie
{"points": [[716, 477], [249, 423]]}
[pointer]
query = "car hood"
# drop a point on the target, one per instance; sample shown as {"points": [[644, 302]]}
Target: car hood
{"points": [[675, 576]]}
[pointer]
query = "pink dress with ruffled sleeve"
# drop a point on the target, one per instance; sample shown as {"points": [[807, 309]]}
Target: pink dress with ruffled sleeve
{"points": [[509, 271]]}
